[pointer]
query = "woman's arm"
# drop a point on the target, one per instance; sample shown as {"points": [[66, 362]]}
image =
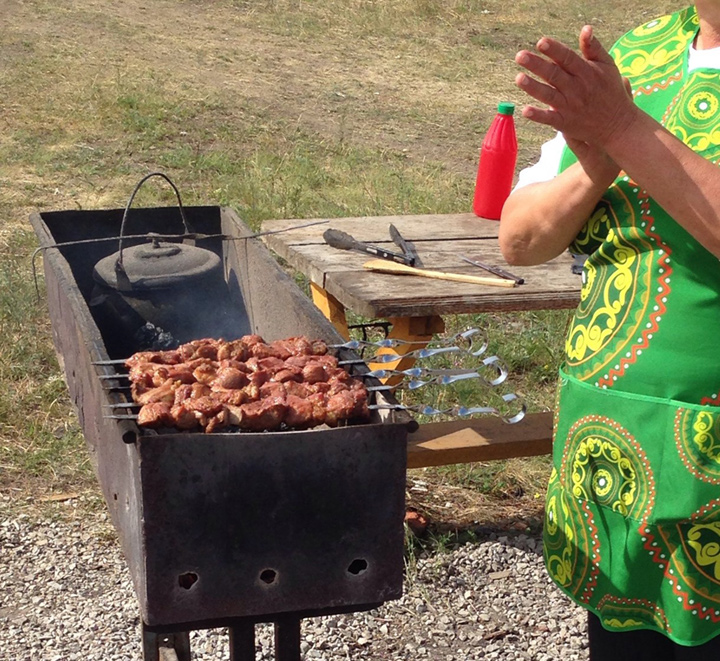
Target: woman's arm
{"points": [[682, 182], [539, 221], [589, 104]]}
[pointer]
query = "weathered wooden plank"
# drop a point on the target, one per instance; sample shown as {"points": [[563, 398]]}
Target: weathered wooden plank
{"points": [[482, 439], [440, 241], [434, 255], [383, 295], [431, 227], [315, 261], [380, 302]]}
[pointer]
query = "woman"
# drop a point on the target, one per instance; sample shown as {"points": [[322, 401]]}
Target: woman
{"points": [[632, 529]]}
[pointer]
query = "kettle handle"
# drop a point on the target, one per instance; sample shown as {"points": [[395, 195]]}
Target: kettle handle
{"points": [[119, 264]]}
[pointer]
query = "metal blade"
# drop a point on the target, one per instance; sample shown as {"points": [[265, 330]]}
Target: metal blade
{"points": [[407, 248], [496, 270]]}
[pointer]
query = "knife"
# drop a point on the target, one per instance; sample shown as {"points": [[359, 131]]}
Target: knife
{"points": [[343, 241], [494, 269], [407, 248]]}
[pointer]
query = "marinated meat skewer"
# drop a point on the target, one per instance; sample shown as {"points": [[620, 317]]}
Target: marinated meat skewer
{"points": [[246, 383]]}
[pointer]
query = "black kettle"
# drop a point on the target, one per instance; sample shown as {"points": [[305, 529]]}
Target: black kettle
{"points": [[176, 287]]}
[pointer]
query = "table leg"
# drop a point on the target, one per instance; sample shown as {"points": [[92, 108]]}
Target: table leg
{"points": [[333, 309], [419, 331]]}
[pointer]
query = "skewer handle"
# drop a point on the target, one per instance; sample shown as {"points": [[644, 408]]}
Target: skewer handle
{"points": [[381, 266]]}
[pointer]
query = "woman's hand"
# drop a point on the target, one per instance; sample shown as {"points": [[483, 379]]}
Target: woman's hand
{"points": [[594, 160], [589, 102], [588, 99]]}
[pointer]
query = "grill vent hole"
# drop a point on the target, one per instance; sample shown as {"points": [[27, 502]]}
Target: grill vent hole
{"points": [[268, 576], [358, 566], [129, 437], [187, 580]]}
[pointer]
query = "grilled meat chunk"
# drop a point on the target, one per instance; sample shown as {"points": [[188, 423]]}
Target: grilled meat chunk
{"points": [[264, 415], [230, 377], [156, 414], [163, 393], [247, 383]]}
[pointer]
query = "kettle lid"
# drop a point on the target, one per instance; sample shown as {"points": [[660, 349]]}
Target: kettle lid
{"points": [[156, 265]]}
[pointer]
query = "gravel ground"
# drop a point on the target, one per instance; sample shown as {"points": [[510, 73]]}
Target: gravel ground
{"points": [[66, 595]]}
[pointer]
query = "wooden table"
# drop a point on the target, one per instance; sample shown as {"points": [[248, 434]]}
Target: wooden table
{"points": [[414, 307]]}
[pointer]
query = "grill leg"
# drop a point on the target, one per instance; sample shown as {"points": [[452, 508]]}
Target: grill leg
{"points": [[242, 641], [287, 639], [165, 646]]}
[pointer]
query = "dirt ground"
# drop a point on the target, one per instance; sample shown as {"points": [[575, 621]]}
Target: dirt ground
{"points": [[421, 85], [430, 89], [367, 90]]}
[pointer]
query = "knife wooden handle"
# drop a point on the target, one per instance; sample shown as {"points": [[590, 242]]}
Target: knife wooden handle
{"points": [[382, 266]]}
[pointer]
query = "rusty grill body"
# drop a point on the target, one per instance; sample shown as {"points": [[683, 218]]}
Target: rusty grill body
{"points": [[221, 526]]}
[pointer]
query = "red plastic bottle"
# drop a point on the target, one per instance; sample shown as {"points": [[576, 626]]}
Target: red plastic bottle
{"points": [[496, 169]]}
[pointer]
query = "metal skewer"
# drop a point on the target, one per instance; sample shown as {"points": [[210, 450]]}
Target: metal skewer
{"points": [[418, 353], [440, 377], [496, 270], [491, 371], [443, 377], [460, 411], [465, 341], [130, 405], [423, 409], [471, 341]]}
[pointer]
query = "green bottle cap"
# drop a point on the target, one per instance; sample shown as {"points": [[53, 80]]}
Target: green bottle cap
{"points": [[506, 108]]}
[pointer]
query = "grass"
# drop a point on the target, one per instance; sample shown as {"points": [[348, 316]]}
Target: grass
{"points": [[277, 108], [41, 445]]}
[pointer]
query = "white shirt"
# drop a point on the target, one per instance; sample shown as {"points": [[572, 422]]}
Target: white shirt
{"points": [[551, 152]]}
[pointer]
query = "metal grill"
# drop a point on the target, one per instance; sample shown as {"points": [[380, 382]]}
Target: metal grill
{"points": [[227, 529]]}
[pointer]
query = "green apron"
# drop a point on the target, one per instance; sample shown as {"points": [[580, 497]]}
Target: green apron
{"points": [[632, 529]]}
